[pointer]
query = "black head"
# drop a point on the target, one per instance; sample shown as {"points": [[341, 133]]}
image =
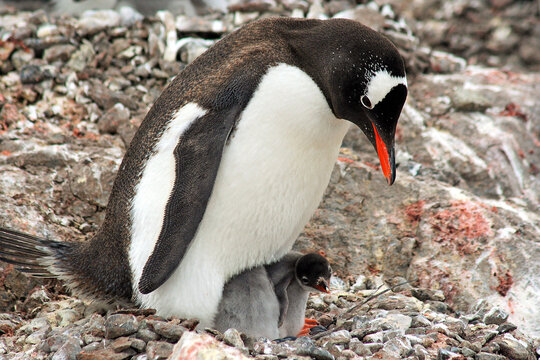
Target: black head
{"points": [[362, 77], [313, 272]]}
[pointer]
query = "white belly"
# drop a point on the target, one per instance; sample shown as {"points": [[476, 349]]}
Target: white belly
{"points": [[271, 179]]}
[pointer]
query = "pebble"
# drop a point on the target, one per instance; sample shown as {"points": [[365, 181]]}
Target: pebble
{"points": [[93, 21], [306, 346], [232, 337], [120, 325], [68, 350], [203, 346], [495, 316], [158, 350], [335, 338], [167, 329], [514, 349], [106, 69], [469, 101]]}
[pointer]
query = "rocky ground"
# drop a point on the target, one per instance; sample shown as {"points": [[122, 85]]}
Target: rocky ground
{"points": [[461, 223]]}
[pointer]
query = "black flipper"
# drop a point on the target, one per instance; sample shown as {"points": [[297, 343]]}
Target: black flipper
{"points": [[197, 155]]}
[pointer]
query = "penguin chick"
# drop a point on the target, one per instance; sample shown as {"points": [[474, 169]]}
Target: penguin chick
{"points": [[230, 163], [270, 300], [249, 304], [294, 277]]}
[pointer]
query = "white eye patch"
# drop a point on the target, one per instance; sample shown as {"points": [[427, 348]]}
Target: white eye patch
{"points": [[380, 85]]}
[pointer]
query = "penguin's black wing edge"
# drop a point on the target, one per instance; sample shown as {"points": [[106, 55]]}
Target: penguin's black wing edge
{"points": [[197, 158]]}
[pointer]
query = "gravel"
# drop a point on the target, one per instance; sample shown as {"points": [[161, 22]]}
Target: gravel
{"points": [[74, 90]]}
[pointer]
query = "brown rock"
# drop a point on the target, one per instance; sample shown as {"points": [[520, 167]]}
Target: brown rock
{"points": [[115, 117], [103, 354]]}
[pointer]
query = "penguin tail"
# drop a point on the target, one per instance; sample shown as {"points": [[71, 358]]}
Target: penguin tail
{"points": [[32, 255]]}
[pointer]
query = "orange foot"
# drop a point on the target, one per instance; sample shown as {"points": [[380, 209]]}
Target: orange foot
{"points": [[308, 324]]}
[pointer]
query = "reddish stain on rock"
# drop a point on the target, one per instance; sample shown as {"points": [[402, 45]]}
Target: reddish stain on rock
{"points": [[505, 283], [461, 224], [414, 212], [512, 109]]}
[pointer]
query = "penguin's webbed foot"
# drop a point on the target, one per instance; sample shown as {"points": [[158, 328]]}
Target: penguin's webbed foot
{"points": [[308, 324]]}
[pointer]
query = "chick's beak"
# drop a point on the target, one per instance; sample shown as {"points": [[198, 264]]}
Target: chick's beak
{"points": [[322, 285]]}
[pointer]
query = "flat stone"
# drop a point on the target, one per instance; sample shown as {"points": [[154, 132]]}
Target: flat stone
{"points": [[103, 354], [335, 338], [168, 329], [120, 325], [427, 294], [122, 343], [146, 335], [469, 101], [488, 356]]}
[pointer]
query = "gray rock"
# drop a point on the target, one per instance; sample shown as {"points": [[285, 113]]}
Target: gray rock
{"points": [[147, 335], [420, 321], [232, 337], [96, 326], [495, 316], [167, 329], [444, 354], [306, 346], [399, 347], [21, 58], [93, 21], [82, 56], [68, 350], [513, 348], [427, 294], [32, 74], [488, 356], [38, 336], [114, 118], [358, 347], [158, 350], [342, 337], [469, 101], [421, 352], [59, 53], [120, 325]]}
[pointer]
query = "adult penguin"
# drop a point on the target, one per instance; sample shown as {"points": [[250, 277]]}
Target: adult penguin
{"points": [[230, 163]]}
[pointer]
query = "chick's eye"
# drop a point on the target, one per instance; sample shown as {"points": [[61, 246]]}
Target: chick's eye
{"points": [[366, 102], [304, 280]]}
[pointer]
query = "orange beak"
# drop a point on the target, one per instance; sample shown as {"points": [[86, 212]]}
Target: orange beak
{"points": [[322, 286], [384, 158]]}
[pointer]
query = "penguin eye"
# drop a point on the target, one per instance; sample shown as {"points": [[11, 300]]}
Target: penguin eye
{"points": [[305, 280], [366, 102]]}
